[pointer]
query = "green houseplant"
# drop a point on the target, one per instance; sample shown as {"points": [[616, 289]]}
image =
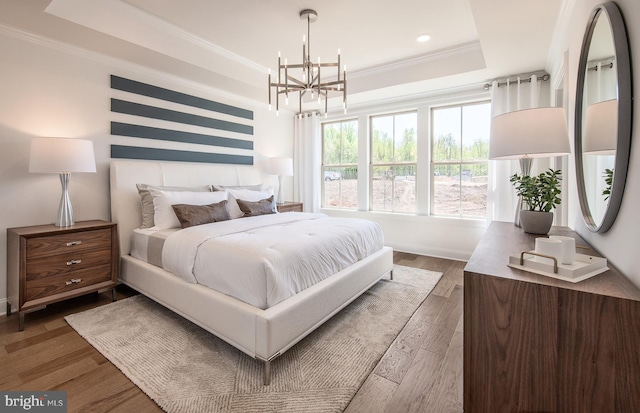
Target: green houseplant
{"points": [[608, 180], [541, 194]]}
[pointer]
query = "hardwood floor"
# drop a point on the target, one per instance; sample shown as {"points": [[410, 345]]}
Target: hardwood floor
{"points": [[421, 371]]}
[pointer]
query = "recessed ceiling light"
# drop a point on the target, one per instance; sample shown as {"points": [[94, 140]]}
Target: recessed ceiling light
{"points": [[423, 38]]}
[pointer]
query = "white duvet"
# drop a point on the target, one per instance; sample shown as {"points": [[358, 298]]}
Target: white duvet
{"points": [[265, 259]]}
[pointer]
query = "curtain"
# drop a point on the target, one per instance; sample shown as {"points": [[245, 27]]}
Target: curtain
{"points": [[600, 85], [518, 94], [306, 165]]}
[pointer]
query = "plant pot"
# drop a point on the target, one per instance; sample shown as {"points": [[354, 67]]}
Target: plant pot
{"points": [[536, 222]]}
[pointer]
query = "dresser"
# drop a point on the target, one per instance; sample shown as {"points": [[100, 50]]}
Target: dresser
{"points": [[536, 344], [46, 264], [290, 207]]}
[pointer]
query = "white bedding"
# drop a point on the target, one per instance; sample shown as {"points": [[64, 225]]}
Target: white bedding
{"points": [[146, 244], [265, 259]]}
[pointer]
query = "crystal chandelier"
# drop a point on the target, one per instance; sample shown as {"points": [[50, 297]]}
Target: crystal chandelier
{"points": [[307, 77]]}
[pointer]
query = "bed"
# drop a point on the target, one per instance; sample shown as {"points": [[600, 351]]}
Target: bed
{"points": [[262, 333]]}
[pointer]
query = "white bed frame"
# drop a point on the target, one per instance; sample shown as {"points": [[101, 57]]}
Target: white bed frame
{"points": [[262, 334]]}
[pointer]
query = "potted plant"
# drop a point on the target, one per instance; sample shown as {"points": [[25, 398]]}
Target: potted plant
{"points": [[541, 194]]}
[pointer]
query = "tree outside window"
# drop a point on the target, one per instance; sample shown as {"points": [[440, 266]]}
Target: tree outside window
{"points": [[340, 164], [459, 159], [394, 157]]}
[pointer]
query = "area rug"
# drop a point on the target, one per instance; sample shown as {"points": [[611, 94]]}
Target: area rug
{"points": [[183, 368]]}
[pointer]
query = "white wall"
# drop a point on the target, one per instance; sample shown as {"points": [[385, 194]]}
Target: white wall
{"points": [[50, 89], [450, 238], [621, 244]]}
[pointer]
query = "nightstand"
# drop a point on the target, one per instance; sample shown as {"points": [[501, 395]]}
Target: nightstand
{"points": [[290, 207], [47, 264]]}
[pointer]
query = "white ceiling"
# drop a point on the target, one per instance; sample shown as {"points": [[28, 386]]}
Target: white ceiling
{"points": [[230, 44]]}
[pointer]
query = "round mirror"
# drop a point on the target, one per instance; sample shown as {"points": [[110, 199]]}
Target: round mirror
{"points": [[603, 117]]}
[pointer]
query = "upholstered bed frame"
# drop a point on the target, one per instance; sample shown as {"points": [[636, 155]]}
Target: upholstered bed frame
{"points": [[262, 334]]}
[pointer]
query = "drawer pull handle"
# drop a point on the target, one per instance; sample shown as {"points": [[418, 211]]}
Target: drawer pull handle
{"points": [[73, 262], [72, 243], [73, 281]]}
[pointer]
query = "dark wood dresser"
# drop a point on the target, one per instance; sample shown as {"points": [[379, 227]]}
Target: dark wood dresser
{"points": [[536, 344], [46, 264]]}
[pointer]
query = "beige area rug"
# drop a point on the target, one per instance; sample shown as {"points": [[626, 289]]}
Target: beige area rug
{"points": [[183, 368]]}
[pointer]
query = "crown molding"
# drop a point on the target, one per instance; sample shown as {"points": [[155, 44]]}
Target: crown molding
{"points": [[182, 34], [458, 50], [59, 8], [142, 71]]}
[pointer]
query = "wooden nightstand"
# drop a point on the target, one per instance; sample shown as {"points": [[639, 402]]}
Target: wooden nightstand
{"points": [[290, 207], [46, 264]]}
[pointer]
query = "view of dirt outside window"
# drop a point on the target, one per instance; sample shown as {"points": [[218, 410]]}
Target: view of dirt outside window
{"points": [[394, 155], [459, 159], [340, 164], [458, 162]]}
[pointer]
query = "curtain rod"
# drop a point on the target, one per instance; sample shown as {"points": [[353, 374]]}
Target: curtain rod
{"points": [[308, 114], [607, 66], [543, 77]]}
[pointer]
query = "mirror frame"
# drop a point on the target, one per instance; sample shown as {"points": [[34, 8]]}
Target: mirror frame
{"points": [[625, 114]]}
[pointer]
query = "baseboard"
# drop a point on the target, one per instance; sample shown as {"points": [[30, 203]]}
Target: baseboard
{"points": [[3, 307], [455, 255]]}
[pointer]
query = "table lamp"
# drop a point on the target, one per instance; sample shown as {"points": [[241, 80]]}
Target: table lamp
{"points": [[281, 167], [527, 134], [63, 156]]}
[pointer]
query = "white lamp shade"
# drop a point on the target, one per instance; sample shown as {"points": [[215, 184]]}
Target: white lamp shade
{"points": [[280, 166], [600, 136], [535, 133], [59, 155]]}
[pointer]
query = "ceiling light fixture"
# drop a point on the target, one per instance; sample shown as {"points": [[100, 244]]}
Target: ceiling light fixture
{"points": [[310, 75], [423, 38]]}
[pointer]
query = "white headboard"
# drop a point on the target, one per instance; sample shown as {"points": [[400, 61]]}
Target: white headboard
{"points": [[125, 174]]}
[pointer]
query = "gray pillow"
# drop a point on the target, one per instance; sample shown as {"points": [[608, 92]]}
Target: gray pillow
{"points": [[146, 200], [253, 209], [192, 215]]}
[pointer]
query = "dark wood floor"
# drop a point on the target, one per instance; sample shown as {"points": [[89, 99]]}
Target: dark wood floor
{"points": [[421, 371]]}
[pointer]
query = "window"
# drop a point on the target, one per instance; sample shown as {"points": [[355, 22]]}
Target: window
{"points": [[459, 159], [340, 164], [394, 156]]}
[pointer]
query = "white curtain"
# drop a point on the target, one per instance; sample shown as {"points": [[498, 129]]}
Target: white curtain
{"points": [[518, 94], [600, 85], [306, 165]]}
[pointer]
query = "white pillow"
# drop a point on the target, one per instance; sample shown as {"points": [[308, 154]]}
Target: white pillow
{"points": [[163, 215], [246, 195], [146, 200]]}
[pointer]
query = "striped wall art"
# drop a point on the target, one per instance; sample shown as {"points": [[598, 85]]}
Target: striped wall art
{"points": [[180, 115]]}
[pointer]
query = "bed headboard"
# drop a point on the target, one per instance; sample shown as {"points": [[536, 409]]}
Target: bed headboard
{"points": [[125, 174]]}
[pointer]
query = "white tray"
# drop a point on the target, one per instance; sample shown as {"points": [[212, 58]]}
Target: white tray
{"points": [[585, 266]]}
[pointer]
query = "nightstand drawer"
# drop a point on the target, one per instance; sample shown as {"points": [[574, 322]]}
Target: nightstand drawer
{"points": [[69, 262], [45, 287], [67, 243]]}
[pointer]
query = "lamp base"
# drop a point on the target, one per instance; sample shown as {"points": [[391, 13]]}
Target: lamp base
{"points": [[280, 199], [65, 211], [525, 170]]}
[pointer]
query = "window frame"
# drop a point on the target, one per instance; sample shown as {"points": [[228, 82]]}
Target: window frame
{"points": [[373, 165], [460, 163], [336, 166]]}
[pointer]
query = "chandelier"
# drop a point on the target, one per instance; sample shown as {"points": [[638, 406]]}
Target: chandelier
{"points": [[307, 77]]}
